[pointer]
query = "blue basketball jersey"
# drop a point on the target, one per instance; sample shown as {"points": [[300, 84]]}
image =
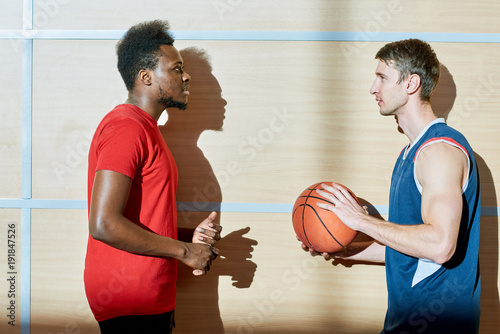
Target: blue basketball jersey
{"points": [[426, 297]]}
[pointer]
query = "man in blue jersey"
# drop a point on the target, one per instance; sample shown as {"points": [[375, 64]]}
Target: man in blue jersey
{"points": [[430, 242]]}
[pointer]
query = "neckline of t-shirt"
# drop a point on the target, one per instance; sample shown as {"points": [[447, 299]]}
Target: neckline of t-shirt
{"points": [[141, 113]]}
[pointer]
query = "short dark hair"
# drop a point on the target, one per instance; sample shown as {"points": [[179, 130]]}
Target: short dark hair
{"points": [[413, 56], [139, 49]]}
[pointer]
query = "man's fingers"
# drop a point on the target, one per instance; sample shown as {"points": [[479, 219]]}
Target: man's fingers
{"points": [[215, 252], [215, 228]]}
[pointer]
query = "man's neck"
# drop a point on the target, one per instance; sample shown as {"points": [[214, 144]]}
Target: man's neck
{"points": [[145, 103], [414, 118]]}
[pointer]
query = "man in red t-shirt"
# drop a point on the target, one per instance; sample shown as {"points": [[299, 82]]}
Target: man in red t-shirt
{"points": [[133, 247]]}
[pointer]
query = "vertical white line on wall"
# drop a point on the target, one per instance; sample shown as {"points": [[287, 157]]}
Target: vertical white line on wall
{"points": [[27, 14], [27, 117]]}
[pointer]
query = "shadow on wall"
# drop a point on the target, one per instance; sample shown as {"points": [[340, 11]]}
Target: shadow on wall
{"points": [[488, 254], [442, 103], [199, 191], [444, 96]]}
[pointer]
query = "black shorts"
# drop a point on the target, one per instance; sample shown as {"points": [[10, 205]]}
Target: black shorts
{"points": [[139, 324]]}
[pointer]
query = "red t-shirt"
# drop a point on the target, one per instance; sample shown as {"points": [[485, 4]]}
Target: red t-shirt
{"points": [[119, 283]]}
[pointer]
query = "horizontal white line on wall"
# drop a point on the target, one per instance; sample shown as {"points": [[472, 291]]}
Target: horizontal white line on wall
{"points": [[347, 36], [8, 203]]}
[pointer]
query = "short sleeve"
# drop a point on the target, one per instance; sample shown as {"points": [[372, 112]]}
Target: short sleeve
{"points": [[120, 147]]}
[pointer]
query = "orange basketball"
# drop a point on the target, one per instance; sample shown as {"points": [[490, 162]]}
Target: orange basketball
{"points": [[318, 228]]}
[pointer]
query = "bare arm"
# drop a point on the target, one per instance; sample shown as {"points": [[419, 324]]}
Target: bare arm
{"points": [[367, 251], [441, 170], [107, 224]]}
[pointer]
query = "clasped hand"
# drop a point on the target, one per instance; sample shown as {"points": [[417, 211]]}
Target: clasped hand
{"points": [[208, 233]]}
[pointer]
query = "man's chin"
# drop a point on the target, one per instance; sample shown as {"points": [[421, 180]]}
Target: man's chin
{"points": [[170, 103], [182, 106], [386, 112]]}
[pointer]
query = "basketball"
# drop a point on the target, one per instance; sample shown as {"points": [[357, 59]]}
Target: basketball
{"points": [[318, 228]]}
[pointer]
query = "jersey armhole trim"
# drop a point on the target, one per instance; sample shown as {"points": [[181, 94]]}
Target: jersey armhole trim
{"points": [[440, 140]]}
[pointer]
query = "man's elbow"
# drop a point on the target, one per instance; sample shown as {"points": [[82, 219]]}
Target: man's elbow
{"points": [[99, 229], [443, 254]]}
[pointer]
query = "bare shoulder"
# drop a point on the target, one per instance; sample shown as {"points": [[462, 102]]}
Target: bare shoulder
{"points": [[441, 161]]}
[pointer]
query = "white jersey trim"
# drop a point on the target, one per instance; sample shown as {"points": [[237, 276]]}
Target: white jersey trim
{"points": [[425, 268]]}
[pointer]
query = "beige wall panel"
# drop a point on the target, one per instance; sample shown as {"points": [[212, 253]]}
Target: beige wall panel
{"points": [[10, 118], [10, 262], [58, 303], [265, 283], [11, 15], [76, 84], [366, 17]]}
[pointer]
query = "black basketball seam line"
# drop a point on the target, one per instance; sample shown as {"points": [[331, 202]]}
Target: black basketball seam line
{"points": [[303, 211], [316, 197], [303, 226], [293, 213], [302, 221], [313, 189], [321, 220]]}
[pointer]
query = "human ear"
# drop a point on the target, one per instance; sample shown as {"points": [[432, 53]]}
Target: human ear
{"points": [[413, 83], [144, 77]]}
